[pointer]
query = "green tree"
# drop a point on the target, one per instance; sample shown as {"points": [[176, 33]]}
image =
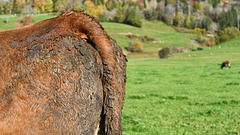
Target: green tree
{"points": [[188, 22], [228, 19], [121, 13], [179, 20], [206, 22], [133, 17]]}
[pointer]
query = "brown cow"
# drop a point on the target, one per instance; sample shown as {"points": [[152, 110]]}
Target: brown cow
{"points": [[226, 64], [61, 76]]}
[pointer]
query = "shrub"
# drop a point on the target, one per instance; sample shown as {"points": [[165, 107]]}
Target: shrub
{"points": [[205, 41], [28, 20], [135, 47], [199, 31], [227, 34], [177, 49], [164, 53], [19, 22]]}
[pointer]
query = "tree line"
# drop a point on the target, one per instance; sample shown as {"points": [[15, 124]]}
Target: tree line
{"points": [[211, 15]]}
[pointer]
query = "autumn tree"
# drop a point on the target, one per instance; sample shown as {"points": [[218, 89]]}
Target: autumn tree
{"points": [[1, 6], [7, 7], [67, 4], [92, 10], [48, 6], [169, 14]]}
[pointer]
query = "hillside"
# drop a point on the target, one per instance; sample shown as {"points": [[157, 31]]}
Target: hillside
{"points": [[162, 33], [229, 48]]}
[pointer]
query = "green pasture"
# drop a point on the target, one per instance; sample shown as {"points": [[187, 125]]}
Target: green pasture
{"points": [[162, 33], [12, 20], [228, 48], [190, 96]]}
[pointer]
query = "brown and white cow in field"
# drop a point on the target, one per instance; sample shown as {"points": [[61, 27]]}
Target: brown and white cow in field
{"points": [[226, 64], [61, 76]]}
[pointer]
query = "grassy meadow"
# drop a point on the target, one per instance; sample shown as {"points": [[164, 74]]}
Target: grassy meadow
{"points": [[185, 94], [162, 33], [190, 96], [12, 20]]}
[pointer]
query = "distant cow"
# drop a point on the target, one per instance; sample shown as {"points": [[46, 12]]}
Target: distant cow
{"points": [[226, 64]]}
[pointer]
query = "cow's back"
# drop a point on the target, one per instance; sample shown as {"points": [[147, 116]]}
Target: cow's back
{"points": [[50, 82]]}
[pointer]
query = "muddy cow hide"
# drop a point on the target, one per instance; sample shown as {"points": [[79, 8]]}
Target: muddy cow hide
{"points": [[61, 76]]}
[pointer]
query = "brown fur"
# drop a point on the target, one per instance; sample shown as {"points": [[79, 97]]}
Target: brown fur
{"points": [[54, 82], [226, 64]]}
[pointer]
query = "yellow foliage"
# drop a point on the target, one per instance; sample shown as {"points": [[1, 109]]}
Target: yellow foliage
{"points": [[137, 47], [92, 10], [173, 2], [89, 4], [199, 31]]}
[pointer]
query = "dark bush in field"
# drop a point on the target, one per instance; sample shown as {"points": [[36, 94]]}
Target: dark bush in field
{"points": [[164, 53]]}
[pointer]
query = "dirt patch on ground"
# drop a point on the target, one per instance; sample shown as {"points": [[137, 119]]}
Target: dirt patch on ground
{"points": [[140, 38]]}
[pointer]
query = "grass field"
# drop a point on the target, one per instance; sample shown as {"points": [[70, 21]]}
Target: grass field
{"points": [[156, 29], [185, 94], [190, 96], [12, 20]]}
